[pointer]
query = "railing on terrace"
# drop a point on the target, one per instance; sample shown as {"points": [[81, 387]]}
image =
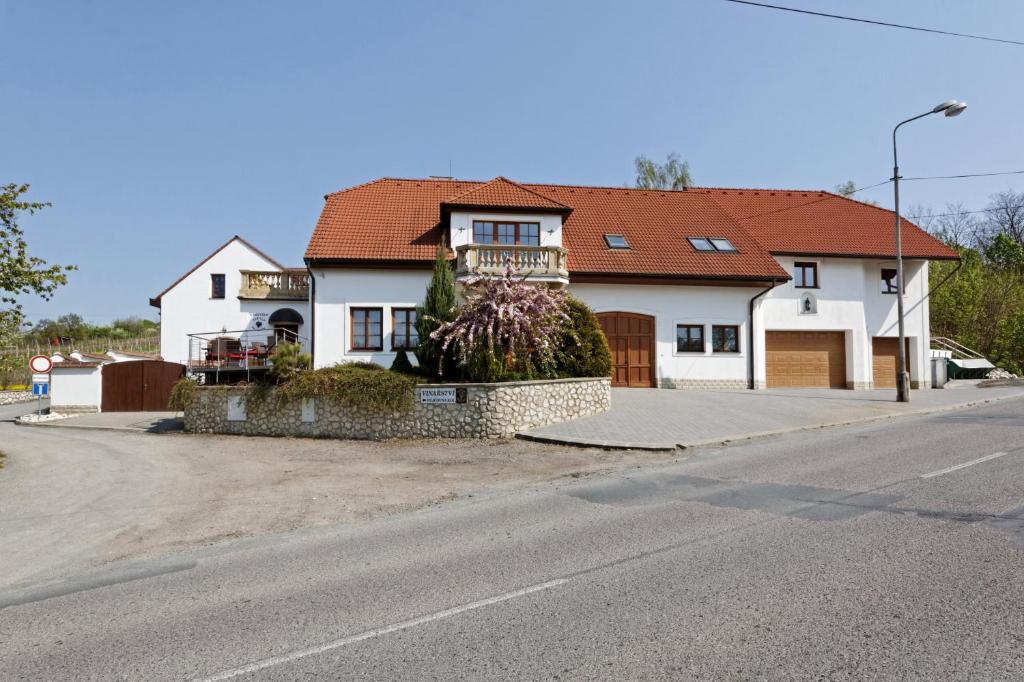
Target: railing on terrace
{"points": [[238, 350], [269, 284], [545, 262], [958, 350]]}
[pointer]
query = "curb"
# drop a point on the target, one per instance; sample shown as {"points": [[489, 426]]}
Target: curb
{"points": [[758, 435], [89, 427]]}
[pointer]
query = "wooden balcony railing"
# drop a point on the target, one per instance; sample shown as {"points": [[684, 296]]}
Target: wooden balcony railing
{"points": [[541, 262], [287, 285]]}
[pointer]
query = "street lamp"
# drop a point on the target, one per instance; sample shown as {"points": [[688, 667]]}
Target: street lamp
{"points": [[950, 108]]}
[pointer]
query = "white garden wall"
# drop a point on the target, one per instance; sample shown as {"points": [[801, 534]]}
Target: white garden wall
{"points": [[77, 388]]}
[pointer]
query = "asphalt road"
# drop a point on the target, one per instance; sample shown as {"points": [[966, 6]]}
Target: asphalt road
{"points": [[868, 552]]}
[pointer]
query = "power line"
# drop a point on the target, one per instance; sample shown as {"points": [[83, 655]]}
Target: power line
{"points": [[983, 210], [966, 175], [878, 23]]}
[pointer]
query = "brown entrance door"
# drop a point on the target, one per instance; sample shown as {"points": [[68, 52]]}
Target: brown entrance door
{"points": [[631, 339], [139, 386], [805, 359], [884, 351]]}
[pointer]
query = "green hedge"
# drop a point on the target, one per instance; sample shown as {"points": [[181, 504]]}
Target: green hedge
{"points": [[356, 384], [582, 348]]}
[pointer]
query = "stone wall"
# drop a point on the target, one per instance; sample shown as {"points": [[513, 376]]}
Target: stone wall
{"points": [[489, 411]]}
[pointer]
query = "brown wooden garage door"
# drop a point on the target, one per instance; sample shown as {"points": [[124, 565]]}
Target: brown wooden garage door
{"points": [[883, 360], [805, 359], [139, 386], [631, 339]]}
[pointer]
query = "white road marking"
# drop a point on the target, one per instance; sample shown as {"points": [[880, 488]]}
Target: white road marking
{"points": [[986, 458], [369, 634]]}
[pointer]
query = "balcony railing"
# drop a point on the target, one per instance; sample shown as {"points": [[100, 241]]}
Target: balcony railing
{"points": [[538, 262], [287, 284]]}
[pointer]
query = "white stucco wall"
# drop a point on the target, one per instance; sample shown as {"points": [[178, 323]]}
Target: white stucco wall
{"points": [[188, 307], [78, 386], [672, 305], [849, 299], [462, 226], [339, 290]]}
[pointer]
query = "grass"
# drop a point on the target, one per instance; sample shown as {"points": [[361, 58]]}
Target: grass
{"points": [[2, 458]]}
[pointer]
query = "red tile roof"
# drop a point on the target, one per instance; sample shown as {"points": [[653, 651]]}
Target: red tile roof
{"points": [[503, 193], [822, 223], [400, 221]]}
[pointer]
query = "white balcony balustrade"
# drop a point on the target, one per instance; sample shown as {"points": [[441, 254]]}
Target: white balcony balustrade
{"points": [[541, 263], [288, 285]]}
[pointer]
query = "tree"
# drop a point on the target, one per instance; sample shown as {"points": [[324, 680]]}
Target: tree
{"points": [[505, 326], [438, 308], [848, 189], [673, 174], [21, 273], [1004, 215], [956, 226]]}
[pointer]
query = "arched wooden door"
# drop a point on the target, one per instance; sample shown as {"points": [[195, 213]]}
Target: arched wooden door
{"points": [[139, 386], [631, 339]]}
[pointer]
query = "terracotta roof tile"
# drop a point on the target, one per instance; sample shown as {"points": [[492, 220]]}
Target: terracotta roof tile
{"points": [[399, 220], [822, 223], [503, 193]]}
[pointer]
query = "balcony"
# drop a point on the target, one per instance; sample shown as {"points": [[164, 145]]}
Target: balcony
{"points": [[538, 263], [287, 285]]}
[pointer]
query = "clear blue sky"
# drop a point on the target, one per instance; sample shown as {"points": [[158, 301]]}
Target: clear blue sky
{"points": [[160, 129]]}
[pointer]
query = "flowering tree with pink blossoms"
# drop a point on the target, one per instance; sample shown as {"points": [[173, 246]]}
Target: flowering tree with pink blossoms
{"points": [[505, 326]]}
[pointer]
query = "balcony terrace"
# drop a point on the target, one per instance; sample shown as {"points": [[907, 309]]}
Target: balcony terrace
{"points": [[286, 285], [538, 263]]}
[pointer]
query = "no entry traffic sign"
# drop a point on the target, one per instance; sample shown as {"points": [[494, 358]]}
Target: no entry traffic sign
{"points": [[40, 364]]}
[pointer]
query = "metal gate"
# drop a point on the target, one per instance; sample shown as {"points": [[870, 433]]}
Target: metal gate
{"points": [[139, 386]]}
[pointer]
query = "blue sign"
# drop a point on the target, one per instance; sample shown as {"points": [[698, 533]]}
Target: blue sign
{"points": [[40, 389]]}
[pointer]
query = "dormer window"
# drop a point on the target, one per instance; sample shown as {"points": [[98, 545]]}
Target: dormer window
{"points": [[712, 244], [495, 232], [616, 241]]}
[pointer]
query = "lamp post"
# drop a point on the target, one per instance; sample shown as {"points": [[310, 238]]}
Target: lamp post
{"points": [[950, 108]]}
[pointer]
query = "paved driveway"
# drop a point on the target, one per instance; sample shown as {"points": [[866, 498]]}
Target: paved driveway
{"points": [[660, 418]]}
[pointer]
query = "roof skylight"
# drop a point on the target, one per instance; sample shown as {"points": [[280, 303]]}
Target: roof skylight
{"points": [[616, 241], [712, 244]]}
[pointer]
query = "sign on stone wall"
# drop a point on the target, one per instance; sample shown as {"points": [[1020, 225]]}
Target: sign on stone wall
{"points": [[441, 396]]}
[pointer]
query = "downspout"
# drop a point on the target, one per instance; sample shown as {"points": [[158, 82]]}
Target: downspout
{"points": [[750, 334], [945, 279], [312, 313]]}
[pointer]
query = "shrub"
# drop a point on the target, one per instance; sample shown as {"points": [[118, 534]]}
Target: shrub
{"points": [[505, 325], [289, 359], [183, 394], [582, 349], [401, 363], [361, 385]]}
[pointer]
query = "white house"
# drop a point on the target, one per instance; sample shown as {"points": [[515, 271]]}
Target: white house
{"points": [[237, 292], [700, 288], [714, 288]]}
